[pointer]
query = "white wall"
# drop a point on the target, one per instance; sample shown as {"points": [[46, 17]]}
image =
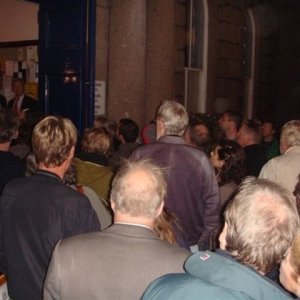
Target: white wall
{"points": [[18, 20]]}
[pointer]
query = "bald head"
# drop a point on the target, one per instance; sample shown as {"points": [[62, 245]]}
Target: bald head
{"points": [[139, 189]]}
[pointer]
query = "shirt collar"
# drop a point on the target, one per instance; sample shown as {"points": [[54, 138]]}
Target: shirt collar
{"points": [[49, 174], [134, 224]]}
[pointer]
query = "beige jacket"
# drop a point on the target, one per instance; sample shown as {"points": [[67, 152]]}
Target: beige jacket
{"points": [[284, 169]]}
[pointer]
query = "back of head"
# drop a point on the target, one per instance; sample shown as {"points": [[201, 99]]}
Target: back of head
{"points": [[96, 140], [252, 128], [52, 140], [199, 133], [138, 189], [129, 130], [234, 168], [9, 125], [290, 134], [255, 129], [262, 221], [174, 117], [100, 121], [235, 117]]}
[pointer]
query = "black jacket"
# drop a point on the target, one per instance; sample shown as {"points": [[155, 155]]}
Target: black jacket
{"points": [[11, 167], [27, 103], [35, 213], [3, 104]]}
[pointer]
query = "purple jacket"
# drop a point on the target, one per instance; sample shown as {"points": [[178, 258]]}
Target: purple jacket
{"points": [[193, 194]]}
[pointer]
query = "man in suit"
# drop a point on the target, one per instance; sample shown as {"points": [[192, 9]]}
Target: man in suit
{"points": [[121, 261], [37, 211], [21, 102]]}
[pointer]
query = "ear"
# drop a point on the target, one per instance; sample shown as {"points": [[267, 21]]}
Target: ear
{"points": [[160, 209], [282, 147], [112, 205], [222, 237], [160, 128], [71, 154], [187, 135]]}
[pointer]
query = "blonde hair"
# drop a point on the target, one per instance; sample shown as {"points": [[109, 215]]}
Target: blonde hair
{"points": [[139, 197], [174, 116], [96, 140], [262, 221], [52, 140], [290, 133]]}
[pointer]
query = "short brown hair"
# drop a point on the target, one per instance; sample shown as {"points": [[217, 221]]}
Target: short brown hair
{"points": [[52, 140], [139, 198], [262, 221]]}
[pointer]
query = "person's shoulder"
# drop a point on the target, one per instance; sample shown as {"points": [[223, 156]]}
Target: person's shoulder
{"points": [[141, 150], [186, 287], [8, 157], [51, 185], [169, 251], [14, 183], [72, 196], [82, 238], [28, 98], [82, 241], [30, 103]]}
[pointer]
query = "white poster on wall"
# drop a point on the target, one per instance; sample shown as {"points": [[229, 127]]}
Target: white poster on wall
{"points": [[100, 97]]}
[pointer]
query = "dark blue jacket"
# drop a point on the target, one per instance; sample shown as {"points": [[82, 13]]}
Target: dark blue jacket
{"points": [[35, 213]]}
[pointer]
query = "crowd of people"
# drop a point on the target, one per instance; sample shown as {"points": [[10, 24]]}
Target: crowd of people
{"points": [[111, 215]]}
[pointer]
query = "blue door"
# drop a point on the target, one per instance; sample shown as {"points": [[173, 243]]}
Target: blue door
{"points": [[66, 59]]}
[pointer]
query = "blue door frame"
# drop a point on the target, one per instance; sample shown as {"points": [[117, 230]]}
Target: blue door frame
{"points": [[67, 59]]}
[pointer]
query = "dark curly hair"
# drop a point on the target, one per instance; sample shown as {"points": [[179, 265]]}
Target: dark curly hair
{"points": [[234, 169]]}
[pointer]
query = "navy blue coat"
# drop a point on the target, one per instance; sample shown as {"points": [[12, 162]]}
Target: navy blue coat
{"points": [[35, 213]]}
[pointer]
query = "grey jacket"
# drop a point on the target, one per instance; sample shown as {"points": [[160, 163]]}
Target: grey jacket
{"points": [[118, 263]]}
